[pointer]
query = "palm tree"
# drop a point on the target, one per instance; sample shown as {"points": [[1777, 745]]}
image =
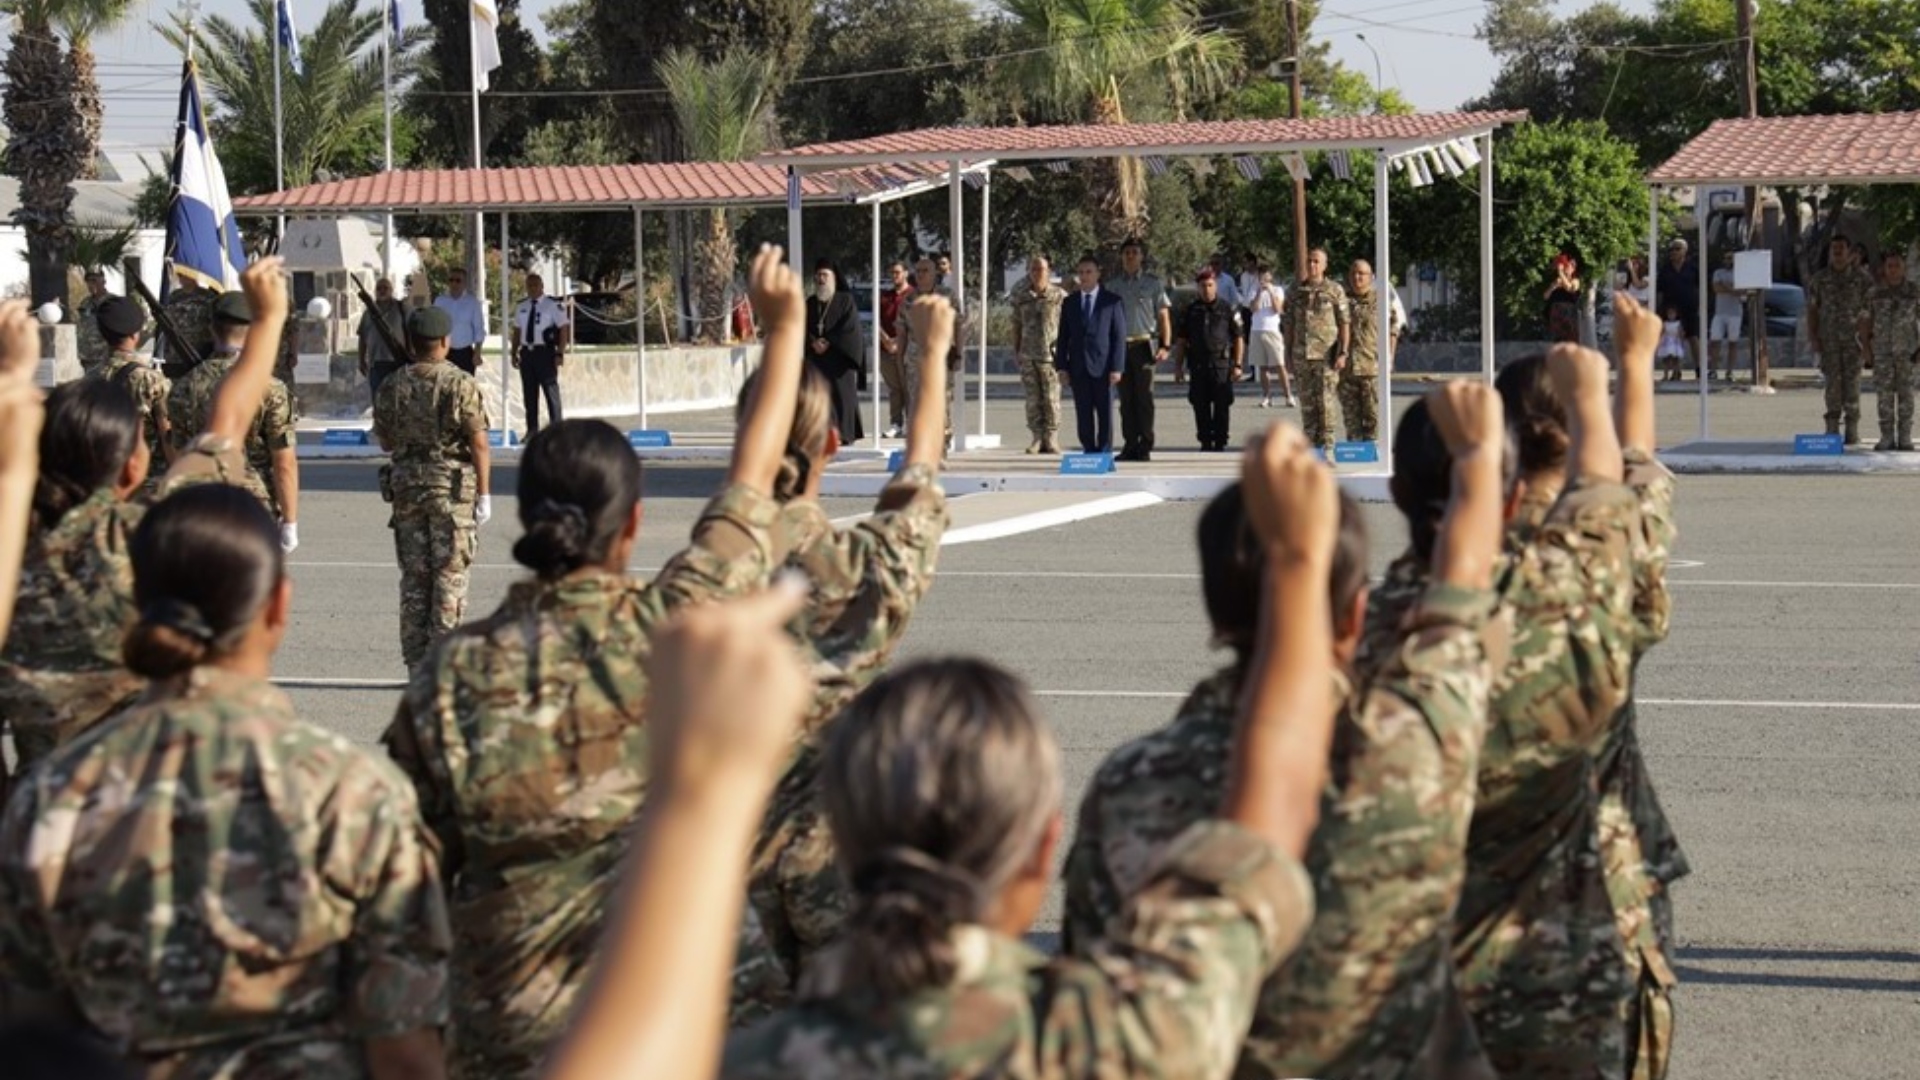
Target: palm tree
{"points": [[1100, 61], [723, 110], [332, 111], [80, 20]]}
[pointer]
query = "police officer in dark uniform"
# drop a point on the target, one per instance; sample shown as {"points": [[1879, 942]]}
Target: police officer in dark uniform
{"points": [[1208, 353]]}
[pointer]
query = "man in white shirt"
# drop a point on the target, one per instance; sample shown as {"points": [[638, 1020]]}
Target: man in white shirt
{"points": [[1729, 319], [1266, 347], [541, 332], [469, 322]]}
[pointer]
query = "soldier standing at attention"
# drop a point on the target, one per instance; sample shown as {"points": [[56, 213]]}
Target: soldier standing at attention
{"points": [[120, 321], [1318, 338], [1890, 329], [273, 468], [92, 344], [534, 827], [1036, 325], [1209, 350], [1836, 300], [1149, 316], [1370, 991], [189, 308], [540, 335], [1360, 372], [429, 417]]}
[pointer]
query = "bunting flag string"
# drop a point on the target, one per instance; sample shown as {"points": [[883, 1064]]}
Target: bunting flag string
{"points": [[1018, 172], [1342, 163], [1156, 166], [1058, 166], [1249, 168], [974, 180]]}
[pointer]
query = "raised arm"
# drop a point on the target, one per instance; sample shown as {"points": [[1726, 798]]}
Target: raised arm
{"points": [[1636, 335], [1473, 425], [932, 322], [768, 418], [20, 416], [238, 398], [1286, 713], [1580, 378]]}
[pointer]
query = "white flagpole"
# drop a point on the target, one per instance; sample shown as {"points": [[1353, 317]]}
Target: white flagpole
{"points": [[279, 124], [386, 87], [479, 252]]}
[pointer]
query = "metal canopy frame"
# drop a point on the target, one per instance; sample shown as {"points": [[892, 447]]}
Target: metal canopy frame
{"points": [[873, 185], [987, 146]]}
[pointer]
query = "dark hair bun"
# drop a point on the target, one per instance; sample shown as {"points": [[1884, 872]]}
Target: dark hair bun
{"points": [[161, 652], [556, 539]]}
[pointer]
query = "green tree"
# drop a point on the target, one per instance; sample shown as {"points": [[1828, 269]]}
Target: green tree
{"points": [[332, 111], [723, 109], [1108, 61]]}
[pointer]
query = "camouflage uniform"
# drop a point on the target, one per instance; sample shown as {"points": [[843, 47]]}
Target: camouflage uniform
{"points": [[1840, 299], [1168, 993], [867, 580], [91, 343], [190, 408], [911, 351], [1316, 313], [209, 459], [525, 734], [1369, 994], [1037, 313], [1895, 313], [151, 393], [427, 415], [222, 890], [191, 313], [1359, 381], [60, 671], [1539, 960]]}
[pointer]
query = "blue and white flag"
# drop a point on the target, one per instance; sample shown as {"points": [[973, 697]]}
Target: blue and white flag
{"points": [[203, 242], [289, 41], [393, 17], [1249, 168], [1342, 163], [1058, 166], [1156, 166]]}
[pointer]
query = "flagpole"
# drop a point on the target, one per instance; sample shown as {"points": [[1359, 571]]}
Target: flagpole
{"points": [[479, 227], [279, 124], [386, 89]]}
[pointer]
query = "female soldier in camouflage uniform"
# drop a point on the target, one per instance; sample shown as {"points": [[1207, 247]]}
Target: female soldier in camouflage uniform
{"points": [[942, 789], [525, 733], [216, 887]]}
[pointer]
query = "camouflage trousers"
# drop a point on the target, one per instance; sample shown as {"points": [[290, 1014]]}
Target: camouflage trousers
{"points": [[1360, 406], [1639, 902], [1313, 380], [1893, 391], [1041, 381], [1840, 363], [893, 373], [435, 554], [910, 372]]}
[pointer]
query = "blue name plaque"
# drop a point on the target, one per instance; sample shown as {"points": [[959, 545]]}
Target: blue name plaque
{"points": [[1356, 453], [649, 439], [345, 437], [1085, 464], [1824, 445]]}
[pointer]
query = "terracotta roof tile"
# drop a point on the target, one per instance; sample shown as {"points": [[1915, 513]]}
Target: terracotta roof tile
{"points": [[1855, 149], [1219, 137]]}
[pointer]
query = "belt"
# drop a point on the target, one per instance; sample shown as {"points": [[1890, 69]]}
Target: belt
{"points": [[1138, 340]]}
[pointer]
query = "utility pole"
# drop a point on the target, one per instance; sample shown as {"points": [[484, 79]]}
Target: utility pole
{"points": [[1299, 184], [1756, 305]]}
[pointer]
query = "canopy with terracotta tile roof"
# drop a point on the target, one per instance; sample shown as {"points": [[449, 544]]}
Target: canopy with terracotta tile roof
{"points": [[1393, 139], [1799, 151]]}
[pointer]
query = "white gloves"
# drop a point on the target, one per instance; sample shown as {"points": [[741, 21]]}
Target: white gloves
{"points": [[289, 537], [483, 510]]}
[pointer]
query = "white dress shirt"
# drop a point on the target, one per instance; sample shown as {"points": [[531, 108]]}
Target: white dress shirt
{"points": [[469, 320], [543, 313]]}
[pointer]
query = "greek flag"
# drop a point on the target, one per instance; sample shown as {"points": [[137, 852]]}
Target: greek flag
{"points": [[289, 41], [1058, 166], [1156, 166], [202, 241]]}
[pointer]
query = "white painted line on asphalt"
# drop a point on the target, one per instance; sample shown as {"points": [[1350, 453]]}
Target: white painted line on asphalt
{"points": [[1796, 584], [1049, 519]]}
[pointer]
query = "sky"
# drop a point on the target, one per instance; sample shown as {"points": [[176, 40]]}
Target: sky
{"points": [[1426, 48]]}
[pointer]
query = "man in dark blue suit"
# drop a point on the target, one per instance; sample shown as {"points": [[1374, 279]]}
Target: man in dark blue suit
{"points": [[1092, 351]]}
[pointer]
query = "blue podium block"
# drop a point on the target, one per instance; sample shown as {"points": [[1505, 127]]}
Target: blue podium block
{"points": [[1356, 453], [649, 439], [345, 437], [1819, 445], [1085, 464], [895, 460], [502, 440]]}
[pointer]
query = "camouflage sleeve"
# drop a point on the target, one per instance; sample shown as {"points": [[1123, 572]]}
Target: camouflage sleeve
{"points": [[1445, 662], [1653, 542], [1093, 898], [273, 425], [1572, 601], [29, 979], [208, 459], [395, 978], [411, 741], [473, 408], [1174, 983], [731, 552], [891, 555]]}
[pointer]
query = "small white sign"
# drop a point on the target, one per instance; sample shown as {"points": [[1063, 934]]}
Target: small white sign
{"points": [[314, 368], [1752, 269]]}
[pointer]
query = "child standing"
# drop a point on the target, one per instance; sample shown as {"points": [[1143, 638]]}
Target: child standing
{"points": [[1673, 346]]}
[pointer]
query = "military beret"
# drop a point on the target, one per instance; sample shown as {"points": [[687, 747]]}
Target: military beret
{"points": [[1205, 275], [429, 323], [119, 318], [232, 307]]}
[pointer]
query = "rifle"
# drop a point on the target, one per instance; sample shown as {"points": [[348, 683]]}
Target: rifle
{"points": [[190, 356], [396, 347]]}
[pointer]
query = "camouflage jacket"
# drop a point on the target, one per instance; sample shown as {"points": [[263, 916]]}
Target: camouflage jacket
{"points": [[911, 349], [191, 313], [90, 342], [1895, 317], [1037, 313], [1364, 336], [151, 392], [223, 890], [1366, 995], [190, 406], [867, 580], [1839, 299], [426, 416], [1168, 994], [273, 431], [1314, 317], [209, 459], [525, 734], [1535, 896]]}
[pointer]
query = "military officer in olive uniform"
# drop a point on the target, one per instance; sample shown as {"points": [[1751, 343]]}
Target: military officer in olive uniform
{"points": [[1036, 326], [1208, 352], [429, 416], [1836, 299], [1360, 374], [86, 322], [1318, 336], [1149, 315], [1890, 330]]}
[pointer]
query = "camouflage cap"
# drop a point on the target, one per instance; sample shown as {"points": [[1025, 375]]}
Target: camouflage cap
{"points": [[232, 307], [429, 323], [119, 317]]}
